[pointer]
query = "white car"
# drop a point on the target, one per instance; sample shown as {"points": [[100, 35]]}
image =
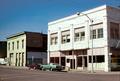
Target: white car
{"points": [[2, 61]]}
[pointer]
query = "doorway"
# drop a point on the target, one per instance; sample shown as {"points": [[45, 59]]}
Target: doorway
{"points": [[82, 61], [72, 63], [11, 59], [85, 61], [63, 61]]}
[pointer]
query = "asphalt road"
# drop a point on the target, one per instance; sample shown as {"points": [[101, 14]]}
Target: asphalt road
{"points": [[10, 74]]}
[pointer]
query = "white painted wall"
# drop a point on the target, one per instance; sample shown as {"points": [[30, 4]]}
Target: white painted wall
{"points": [[20, 50], [103, 14], [96, 66], [75, 21]]}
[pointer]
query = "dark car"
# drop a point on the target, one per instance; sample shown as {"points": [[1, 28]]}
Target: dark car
{"points": [[34, 66]]}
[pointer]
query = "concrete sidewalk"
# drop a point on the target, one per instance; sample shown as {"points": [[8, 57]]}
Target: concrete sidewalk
{"points": [[95, 72], [13, 67]]}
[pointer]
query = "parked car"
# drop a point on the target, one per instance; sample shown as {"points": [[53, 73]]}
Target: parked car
{"points": [[3, 61], [52, 67], [34, 66]]}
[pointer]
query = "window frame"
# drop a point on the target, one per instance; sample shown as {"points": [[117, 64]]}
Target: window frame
{"points": [[9, 46], [65, 37], [17, 44], [13, 45], [23, 43], [99, 34], [53, 38]]}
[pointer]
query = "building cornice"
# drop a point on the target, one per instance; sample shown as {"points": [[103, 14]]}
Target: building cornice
{"points": [[23, 33], [85, 12]]}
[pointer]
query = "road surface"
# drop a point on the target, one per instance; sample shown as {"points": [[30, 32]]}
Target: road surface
{"points": [[12, 74]]}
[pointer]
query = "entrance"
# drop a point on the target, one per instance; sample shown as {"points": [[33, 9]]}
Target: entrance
{"points": [[11, 59], [72, 63], [63, 61], [85, 61], [82, 61]]}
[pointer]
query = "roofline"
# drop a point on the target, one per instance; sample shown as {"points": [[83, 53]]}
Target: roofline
{"points": [[22, 33], [14, 35], [3, 41], [85, 12]]}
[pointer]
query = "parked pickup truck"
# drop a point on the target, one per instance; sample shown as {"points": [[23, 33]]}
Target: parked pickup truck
{"points": [[52, 67]]}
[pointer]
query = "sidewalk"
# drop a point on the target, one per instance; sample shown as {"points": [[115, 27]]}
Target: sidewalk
{"points": [[13, 67], [95, 72]]}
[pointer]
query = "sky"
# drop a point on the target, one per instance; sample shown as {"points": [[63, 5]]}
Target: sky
{"points": [[34, 15]]}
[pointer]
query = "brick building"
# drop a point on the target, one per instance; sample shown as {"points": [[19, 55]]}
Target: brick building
{"points": [[3, 49], [26, 48]]}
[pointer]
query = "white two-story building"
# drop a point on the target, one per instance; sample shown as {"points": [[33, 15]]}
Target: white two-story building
{"points": [[74, 40]]}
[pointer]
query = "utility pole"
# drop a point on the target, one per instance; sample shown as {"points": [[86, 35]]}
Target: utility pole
{"points": [[91, 34]]}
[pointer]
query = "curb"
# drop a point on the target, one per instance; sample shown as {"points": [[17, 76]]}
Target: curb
{"points": [[13, 67], [88, 72]]}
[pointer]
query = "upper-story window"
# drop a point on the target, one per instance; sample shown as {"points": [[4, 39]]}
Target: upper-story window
{"points": [[8, 46], [79, 34], [12, 45], [68, 38], [53, 39], [94, 34], [23, 43], [17, 44], [114, 30], [65, 38], [97, 31], [100, 33]]}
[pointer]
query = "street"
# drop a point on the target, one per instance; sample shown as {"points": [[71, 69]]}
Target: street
{"points": [[12, 74]]}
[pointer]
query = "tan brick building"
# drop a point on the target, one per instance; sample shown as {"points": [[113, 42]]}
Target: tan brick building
{"points": [[26, 48]]}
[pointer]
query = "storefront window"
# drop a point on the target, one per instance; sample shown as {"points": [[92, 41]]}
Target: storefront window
{"points": [[97, 59]]}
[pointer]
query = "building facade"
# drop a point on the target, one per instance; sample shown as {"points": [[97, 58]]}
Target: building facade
{"points": [[3, 49], [26, 48], [74, 40]]}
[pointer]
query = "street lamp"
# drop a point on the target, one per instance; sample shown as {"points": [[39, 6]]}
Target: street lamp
{"points": [[59, 43], [48, 53], [91, 34], [72, 48]]}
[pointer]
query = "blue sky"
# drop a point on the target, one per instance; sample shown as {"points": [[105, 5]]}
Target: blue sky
{"points": [[34, 15]]}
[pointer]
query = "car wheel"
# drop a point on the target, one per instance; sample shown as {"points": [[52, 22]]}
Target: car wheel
{"points": [[59, 69], [29, 68], [43, 69], [34, 68], [51, 69]]}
